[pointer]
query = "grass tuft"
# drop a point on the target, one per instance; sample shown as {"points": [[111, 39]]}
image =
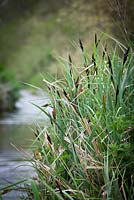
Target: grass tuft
{"points": [[87, 151]]}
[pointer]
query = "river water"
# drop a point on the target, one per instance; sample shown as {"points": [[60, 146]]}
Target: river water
{"points": [[16, 136]]}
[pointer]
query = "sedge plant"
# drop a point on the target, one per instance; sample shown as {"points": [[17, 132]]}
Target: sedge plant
{"points": [[87, 151]]}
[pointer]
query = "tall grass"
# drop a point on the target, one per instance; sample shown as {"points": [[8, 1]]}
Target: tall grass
{"points": [[87, 152]]}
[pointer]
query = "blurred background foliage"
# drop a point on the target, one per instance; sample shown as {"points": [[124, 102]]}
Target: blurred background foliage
{"points": [[34, 32]]}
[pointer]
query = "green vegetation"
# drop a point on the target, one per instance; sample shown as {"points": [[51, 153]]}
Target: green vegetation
{"points": [[8, 90], [32, 37], [6, 75], [87, 152]]}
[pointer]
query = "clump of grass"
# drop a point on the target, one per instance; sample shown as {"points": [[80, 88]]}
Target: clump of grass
{"points": [[87, 151]]}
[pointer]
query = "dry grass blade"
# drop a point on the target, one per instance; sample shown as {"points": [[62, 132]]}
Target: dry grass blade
{"points": [[70, 64], [81, 45], [111, 70], [126, 55], [116, 95]]}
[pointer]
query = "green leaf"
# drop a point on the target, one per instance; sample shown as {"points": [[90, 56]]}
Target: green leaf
{"points": [[35, 191]]}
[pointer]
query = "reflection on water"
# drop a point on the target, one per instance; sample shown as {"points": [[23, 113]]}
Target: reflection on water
{"points": [[15, 130]]}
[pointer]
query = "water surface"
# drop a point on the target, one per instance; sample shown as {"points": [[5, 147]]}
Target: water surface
{"points": [[16, 136]]}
